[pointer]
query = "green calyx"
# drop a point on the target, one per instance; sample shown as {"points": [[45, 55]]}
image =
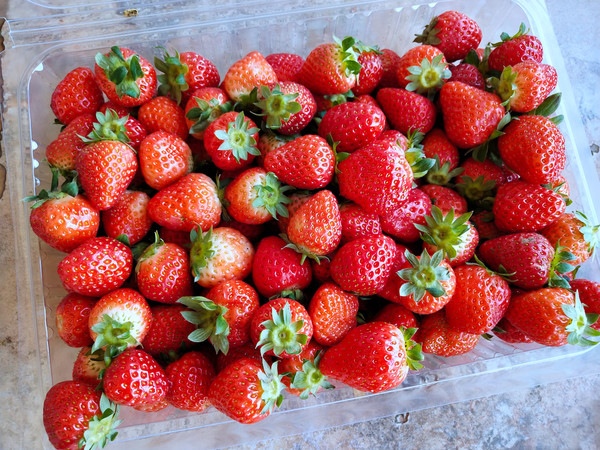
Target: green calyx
{"points": [[424, 275], [505, 86], [68, 188], [150, 251], [560, 267], [209, 320], [122, 72], [310, 379], [108, 127], [489, 149], [429, 76], [114, 337], [270, 194], [549, 107], [441, 174], [478, 190], [101, 429], [276, 106], [305, 252], [591, 233], [280, 334], [172, 81], [238, 138], [579, 328], [415, 156], [349, 55], [558, 189], [429, 34], [202, 251], [444, 232], [507, 37], [206, 112], [414, 353], [272, 386]]}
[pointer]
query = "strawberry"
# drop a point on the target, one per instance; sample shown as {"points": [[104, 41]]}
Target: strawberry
{"points": [[276, 268], [534, 147], [479, 302], [371, 357], [509, 333], [251, 71], [105, 170], [371, 71], [576, 234], [189, 379], [88, 366], [523, 206], [297, 199], [356, 222], [445, 198], [76, 94], [479, 180], [191, 201], [269, 141], [245, 391], [163, 272], [303, 376], [396, 314], [134, 378], [72, 315], [287, 107], [389, 61], [436, 145], [352, 125], [230, 140], [164, 159], [333, 313], [391, 288], [470, 114], [315, 229], [515, 49], [77, 415], [62, 151], [281, 327], [286, 66], [589, 294], [168, 332], [401, 222], [377, 177], [363, 265], [320, 269], [203, 107], [126, 78], [437, 337], [486, 228], [468, 74], [163, 114], [307, 162], [96, 267], [422, 69], [129, 217], [184, 73], [220, 254], [407, 111], [119, 121], [453, 33]]}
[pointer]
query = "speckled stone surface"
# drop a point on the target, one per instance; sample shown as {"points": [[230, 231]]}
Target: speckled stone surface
{"points": [[563, 414]]}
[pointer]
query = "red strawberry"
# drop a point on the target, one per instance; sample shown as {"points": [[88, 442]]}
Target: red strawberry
{"points": [[96, 267], [77, 93], [62, 152], [131, 127], [203, 107], [438, 338], [168, 330], [371, 71], [304, 375], [333, 313], [533, 147], [437, 145], [514, 49], [88, 366], [269, 141], [423, 69], [391, 288], [453, 33], [125, 77], [297, 199], [163, 114], [72, 314], [76, 414], [164, 159], [486, 228], [470, 114], [589, 294], [389, 60], [129, 216], [468, 74], [352, 125], [509, 333], [134, 378], [576, 234], [400, 223], [246, 392], [276, 268], [252, 71], [191, 201], [356, 222], [286, 65], [189, 379], [396, 314], [363, 265], [445, 198], [307, 162], [407, 111]]}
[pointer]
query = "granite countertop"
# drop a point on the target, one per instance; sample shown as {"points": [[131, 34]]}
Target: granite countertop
{"points": [[562, 414]]}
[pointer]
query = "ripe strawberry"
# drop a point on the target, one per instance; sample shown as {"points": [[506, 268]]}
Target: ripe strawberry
{"points": [[437, 337], [576, 234], [281, 327], [189, 202], [422, 69], [589, 294], [220, 254], [245, 392], [286, 66], [445, 198], [509, 333], [401, 222], [269, 141], [377, 177], [72, 315], [287, 107], [470, 114], [396, 314], [371, 357], [88, 366], [333, 313], [479, 180], [437, 145], [119, 122], [164, 159], [468, 74], [96, 267], [303, 376], [76, 415], [363, 265], [307, 162], [371, 71], [203, 107], [407, 111], [168, 332], [523, 206], [189, 379], [297, 199], [356, 222], [486, 228], [62, 152], [277, 268], [533, 147], [352, 125], [515, 49], [105, 170], [391, 288], [479, 302], [77, 93], [251, 71], [453, 33], [129, 216], [389, 60], [126, 78], [163, 114], [315, 229], [134, 378]]}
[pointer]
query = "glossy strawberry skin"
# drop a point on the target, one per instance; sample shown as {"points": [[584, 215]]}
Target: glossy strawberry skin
{"points": [[129, 216], [532, 84], [134, 129], [589, 294], [437, 144], [567, 230], [168, 331], [297, 121], [164, 159], [251, 71], [437, 337], [286, 65], [413, 57], [514, 51], [295, 364], [333, 313], [324, 73], [396, 314], [467, 74], [445, 198], [240, 195], [407, 111], [371, 358], [62, 152], [458, 34], [77, 93], [389, 60], [163, 114], [356, 222], [201, 73], [371, 72], [400, 222], [510, 333], [208, 94], [189, 379], [72, 314]]}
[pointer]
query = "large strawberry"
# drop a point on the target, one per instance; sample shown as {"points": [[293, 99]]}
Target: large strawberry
{"points": [[287, 107], [77, 93], [129, 217], [163, 114], [189, 379], [407, 111], [72, 314], [400, 223], [252, 71], [333, 313], [164, 159]]}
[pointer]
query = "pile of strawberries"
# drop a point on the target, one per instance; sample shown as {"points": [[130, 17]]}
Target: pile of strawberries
{"points": [[304, 220]]}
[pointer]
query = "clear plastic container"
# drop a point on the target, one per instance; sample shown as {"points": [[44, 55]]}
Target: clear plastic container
{"points": [[66, 34]]}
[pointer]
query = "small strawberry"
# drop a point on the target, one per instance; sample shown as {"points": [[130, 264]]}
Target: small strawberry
{"points": [[401, 222], [515, 49], [164, 159], [509, 333], [303, 376], [576, 233], [250, 72], [72, 314], [333, 313], [168, 332], [129, 217], [356, 222], [436, 145], [203, 108], [287, 107], [407, 111], [445, 198], [468, 74], [269, 141], [189, 379], [297, 199], [437, 337], [286, 66], [62, 152], [88, 366], [76, 94], [389, 60], [391, 288], [163, 114], [422, 69]]}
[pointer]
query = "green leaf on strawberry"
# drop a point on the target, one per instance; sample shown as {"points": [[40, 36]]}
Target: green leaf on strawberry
{"points": [[415, 156], [310, 379], [172, 81], [580, 331], [206, 112], [441, 174], [276, 106], [108, 127], [271, 196], [272, 386], [122, 72], [201, 252], [101, 429], [414, 353], [591, 233], [444, 231], [238, 138], [210, 321], [424, 275], [113, 336], [429, 76], [280, 334]]}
